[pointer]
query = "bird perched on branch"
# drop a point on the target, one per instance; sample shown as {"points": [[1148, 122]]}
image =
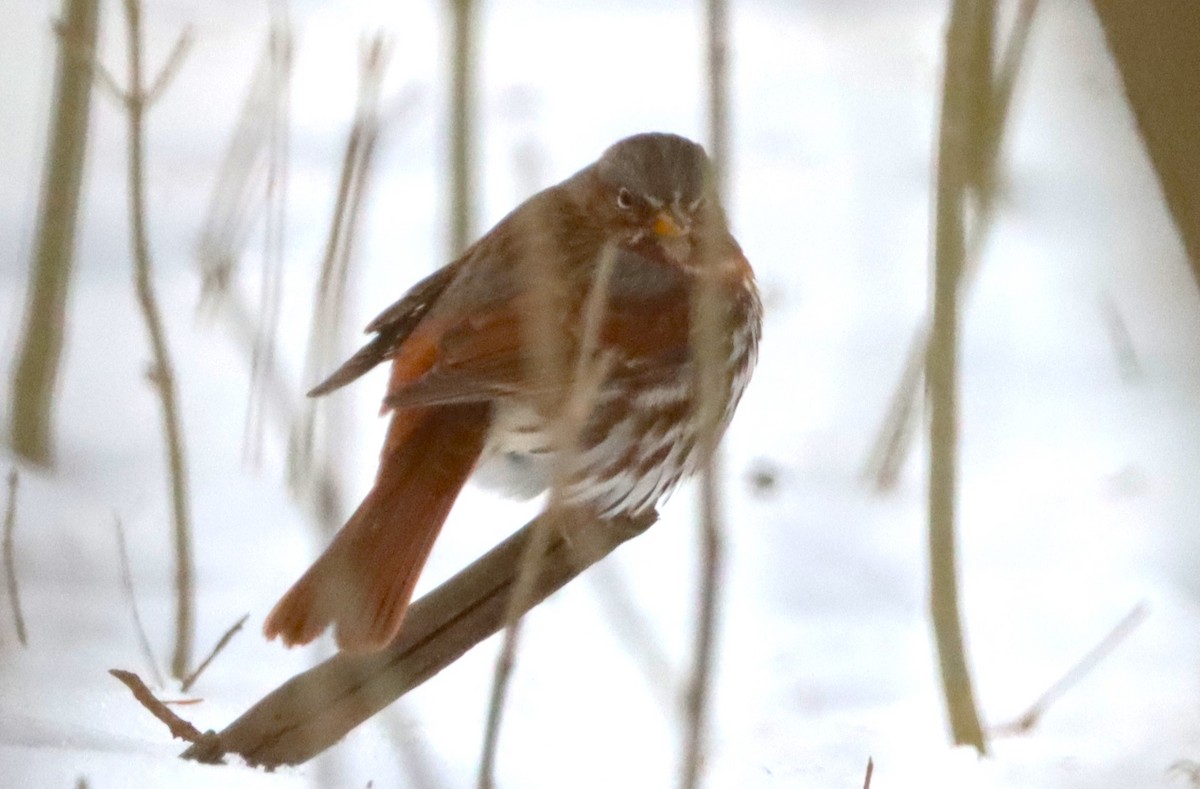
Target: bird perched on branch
{"points": [[488, 352]]}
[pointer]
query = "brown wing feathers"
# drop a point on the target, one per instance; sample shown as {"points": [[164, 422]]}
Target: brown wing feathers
{"points": [[364, 581], [391, 327]]}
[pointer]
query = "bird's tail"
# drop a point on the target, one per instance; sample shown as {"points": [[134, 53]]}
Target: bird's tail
{"points": [[363, 582]]}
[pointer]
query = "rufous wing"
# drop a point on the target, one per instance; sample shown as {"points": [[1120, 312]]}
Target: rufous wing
{"points": [[363, 582]]}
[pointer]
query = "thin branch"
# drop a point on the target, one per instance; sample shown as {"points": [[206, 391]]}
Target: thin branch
{"points": [[327, 327], [635, 632], [900, 424], [462, 126], [1026, 722], [162, 373], [274, 84], [1128, 364], [170, 66], [591, 369], [216, 650], [10, 563], [941, 365], [180, 728], [315, 709], [131, 597], [870, 773], [709, 330]]}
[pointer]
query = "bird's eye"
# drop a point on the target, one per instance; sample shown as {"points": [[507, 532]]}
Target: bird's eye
{"points": [[624, 199]]}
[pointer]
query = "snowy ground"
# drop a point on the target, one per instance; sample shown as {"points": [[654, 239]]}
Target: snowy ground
{"points": [[1078, 494]]}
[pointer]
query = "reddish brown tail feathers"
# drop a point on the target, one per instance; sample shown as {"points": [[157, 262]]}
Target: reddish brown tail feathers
{"points": [[363, 582]]}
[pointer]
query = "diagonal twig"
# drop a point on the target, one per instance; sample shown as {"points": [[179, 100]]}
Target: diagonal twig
{"points": [[180, 728], [1025, 722], [216, 650]]}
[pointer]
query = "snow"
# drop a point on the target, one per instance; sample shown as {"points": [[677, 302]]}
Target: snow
{"points": [[1078, 498]]}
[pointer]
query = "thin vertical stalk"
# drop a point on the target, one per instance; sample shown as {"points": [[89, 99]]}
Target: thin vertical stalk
{"points": [[462, 125], [137, 99], [10, 560], [953, 174], [707, 334], [993, 89], [36, 371], [329, 298], [278, 76], [591, 370]]}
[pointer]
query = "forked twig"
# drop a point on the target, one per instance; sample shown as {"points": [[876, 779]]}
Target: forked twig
{"points": [[216, 650], [137, 100], [10, 562], [1025, 722]]}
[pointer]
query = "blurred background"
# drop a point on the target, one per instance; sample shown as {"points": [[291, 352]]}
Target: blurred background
{"points": [[1079, 404]]}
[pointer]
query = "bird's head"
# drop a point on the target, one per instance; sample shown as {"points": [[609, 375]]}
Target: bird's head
{"points": [[656, 187]]}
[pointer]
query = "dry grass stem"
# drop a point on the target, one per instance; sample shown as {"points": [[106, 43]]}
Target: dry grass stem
{"points": [[277, 74], [328, 325], [462, 125], [35, 373], [10, 561], [131, 598], [216, 650], [941, 364], [710, 329], [591, 370], [993, 97], [1027, 721], [137, 100]]}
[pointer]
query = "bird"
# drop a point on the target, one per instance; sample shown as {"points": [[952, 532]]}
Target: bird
{"points": [[472, 391]]}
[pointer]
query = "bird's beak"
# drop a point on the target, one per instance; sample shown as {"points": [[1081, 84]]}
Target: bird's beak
{"points": [[666, 226]]}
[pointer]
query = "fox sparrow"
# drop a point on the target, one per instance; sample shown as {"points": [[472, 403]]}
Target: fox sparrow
{"points": [[470, 388]]}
